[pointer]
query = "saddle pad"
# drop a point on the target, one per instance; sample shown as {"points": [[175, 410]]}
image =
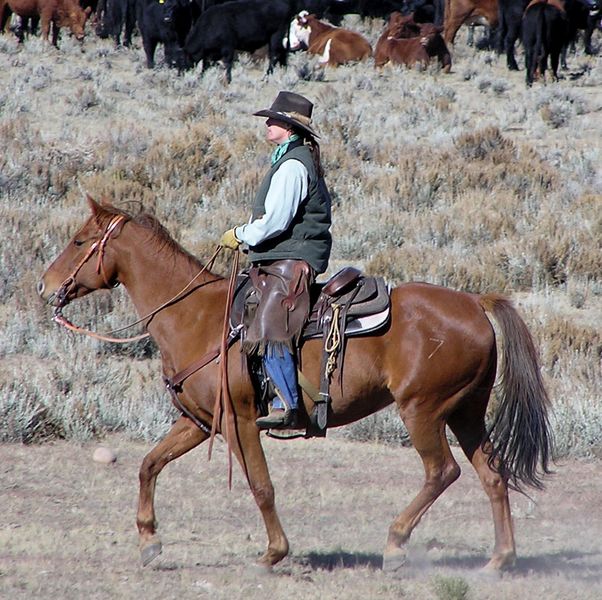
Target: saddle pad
{"points": [[358, 326]]}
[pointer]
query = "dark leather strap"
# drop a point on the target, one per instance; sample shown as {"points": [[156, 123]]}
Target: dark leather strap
{"points": [[178, 379]]}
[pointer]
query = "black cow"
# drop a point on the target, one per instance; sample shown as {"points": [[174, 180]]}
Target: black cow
{"points": [[20, 26], [578, 16], [337, 9], [166, 22], [241, 25], [544, 33], [594, 21], [114, 17], [424, 11], [582, 15], [509, 28]]}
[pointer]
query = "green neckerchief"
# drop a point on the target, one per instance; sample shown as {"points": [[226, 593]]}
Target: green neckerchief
{"points": [[282, 148]]}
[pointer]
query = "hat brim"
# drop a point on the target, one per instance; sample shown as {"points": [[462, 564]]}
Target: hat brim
{"points": [[285, 119]]}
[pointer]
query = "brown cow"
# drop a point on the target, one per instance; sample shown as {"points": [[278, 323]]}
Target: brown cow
{"points": [[61, 13], [397, 44], [334, 45], [458, 12]]}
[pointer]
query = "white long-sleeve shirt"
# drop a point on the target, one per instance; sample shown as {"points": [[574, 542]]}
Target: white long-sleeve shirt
{"points": [[288, 187]]}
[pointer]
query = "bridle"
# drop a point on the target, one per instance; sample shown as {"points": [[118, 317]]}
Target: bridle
{"points": [[69, 283], [98, 246]]}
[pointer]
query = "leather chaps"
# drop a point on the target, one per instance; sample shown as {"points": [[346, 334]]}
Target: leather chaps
{"points": [[277, 306]]}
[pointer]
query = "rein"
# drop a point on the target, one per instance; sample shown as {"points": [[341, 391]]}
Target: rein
{"points": [[223, 401]]}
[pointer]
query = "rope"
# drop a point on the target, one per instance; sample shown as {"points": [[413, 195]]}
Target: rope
{"points": [[332, 344]]}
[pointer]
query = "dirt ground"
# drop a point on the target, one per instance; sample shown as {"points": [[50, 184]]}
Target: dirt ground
{"points": [[68, 527]]}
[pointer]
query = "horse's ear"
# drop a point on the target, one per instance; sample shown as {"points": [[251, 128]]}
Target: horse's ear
{"points": [[95, 207]]}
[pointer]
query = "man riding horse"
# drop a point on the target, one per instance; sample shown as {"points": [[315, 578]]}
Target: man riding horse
{"points": [[289, 243]]}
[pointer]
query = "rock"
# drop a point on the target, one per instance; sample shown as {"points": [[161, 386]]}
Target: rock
{"points": [[103, 455]]}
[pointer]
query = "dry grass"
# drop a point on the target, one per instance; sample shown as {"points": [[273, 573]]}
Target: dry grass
{"points": [[468, 180], [68, 528]]}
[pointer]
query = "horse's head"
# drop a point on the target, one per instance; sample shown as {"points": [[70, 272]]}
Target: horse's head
{"points": [[87, 263]]}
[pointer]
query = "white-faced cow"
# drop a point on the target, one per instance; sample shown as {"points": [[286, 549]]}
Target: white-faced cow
{"points": [[333, 45]]}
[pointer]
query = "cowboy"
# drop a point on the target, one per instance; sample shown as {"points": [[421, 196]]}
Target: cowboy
{"points": [[289, 243]]}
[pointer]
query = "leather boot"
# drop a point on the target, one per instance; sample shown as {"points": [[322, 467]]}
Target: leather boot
{"points": [[279, 418]]}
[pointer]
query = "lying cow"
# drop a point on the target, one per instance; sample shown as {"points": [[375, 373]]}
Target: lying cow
{"points": [[544, 33], [61, 13], [334, 45]]}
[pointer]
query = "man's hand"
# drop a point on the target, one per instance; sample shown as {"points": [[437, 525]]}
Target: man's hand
{"points": [[229, 240]]}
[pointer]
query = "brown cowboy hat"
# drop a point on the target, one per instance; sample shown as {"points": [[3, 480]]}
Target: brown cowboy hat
{"points": [[291, 108]]}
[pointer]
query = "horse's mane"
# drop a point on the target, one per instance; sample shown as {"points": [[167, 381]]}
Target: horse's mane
{"points": [[158, 233]]}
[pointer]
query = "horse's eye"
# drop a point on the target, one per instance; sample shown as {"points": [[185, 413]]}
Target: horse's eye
{"points": [[78, 242]]}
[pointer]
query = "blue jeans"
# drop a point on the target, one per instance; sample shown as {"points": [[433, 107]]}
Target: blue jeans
{"points": [[282, 371]]}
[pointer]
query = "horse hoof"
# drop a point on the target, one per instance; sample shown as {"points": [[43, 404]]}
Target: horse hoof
{"points": [[149, 553], [496, 566], [488, 573], [394, 560], [261, 569]]}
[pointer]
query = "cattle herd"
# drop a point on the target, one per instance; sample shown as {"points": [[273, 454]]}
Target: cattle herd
{"points": [[416, 31]]}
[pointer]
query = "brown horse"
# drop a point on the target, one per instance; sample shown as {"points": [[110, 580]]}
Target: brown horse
{"points": [[436, 361]]}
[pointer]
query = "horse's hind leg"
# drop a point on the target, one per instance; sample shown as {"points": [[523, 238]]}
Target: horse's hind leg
{"points": [[183, 436], [469, 427], [441, 470]]}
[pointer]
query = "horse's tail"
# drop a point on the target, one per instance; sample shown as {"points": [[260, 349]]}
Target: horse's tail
{"points": [[520, 437]]}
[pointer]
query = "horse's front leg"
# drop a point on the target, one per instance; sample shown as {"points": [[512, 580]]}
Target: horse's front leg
{"points": [[252, 460], [182, 437]]}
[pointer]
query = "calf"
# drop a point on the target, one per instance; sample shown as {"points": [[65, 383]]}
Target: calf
{"points": [[241, 25], [403, 27], [458, 12], [61, 13], [166, 22], [414, 50], [335, 46], [544, 33]]}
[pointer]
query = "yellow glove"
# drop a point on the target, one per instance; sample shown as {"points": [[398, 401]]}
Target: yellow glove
{"points": [[229, 240]]}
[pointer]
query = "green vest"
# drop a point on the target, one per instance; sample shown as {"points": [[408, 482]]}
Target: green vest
{"points": [[308, 236]]}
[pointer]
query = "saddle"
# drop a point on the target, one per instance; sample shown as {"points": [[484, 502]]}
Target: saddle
{"points": [[348, 304]]}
